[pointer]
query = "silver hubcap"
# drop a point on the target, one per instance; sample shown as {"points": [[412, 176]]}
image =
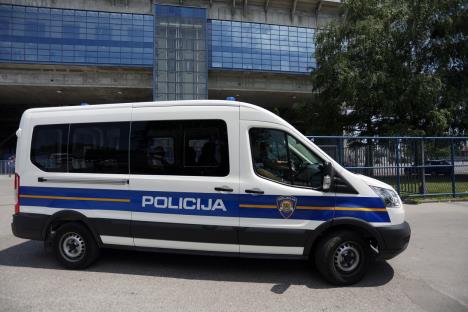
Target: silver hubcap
{"points": [[72, 247], [346, 257]]}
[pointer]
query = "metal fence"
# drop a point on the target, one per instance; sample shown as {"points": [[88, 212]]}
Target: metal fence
{"points": [[415, 166], [7, 167]]}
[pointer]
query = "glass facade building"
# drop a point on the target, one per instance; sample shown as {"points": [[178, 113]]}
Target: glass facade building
{"points": [[180, 44], [44, 35], [180, 70], [261, 47]]}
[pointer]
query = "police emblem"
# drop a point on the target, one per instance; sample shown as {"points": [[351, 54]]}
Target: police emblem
{"points": [[286, 205]]}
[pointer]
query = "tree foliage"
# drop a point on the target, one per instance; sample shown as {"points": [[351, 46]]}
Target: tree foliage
{"points": [[392, 67]]}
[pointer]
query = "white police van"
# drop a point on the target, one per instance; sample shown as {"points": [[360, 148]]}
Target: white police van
{"points": [[214, 177]]}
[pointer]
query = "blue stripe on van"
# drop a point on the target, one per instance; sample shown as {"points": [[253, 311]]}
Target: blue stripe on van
{"points": [[124, 200]]}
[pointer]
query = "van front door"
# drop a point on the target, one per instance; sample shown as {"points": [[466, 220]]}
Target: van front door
{"points": [[184, 177], [281, 201]]}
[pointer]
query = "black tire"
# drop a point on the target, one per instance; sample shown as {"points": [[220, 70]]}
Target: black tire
{"points": [[342, 245], [74, 246]]}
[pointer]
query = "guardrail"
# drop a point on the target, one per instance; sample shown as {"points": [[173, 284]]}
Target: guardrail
{"points": [[415, 166]]}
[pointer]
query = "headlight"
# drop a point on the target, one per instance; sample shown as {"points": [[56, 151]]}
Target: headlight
{"points": [[389, 197]]}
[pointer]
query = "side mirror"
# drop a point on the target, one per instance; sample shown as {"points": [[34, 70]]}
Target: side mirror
{"points": [[328, 175]]}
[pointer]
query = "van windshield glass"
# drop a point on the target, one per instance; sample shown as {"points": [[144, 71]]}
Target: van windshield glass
{"points": [[306, 167]]}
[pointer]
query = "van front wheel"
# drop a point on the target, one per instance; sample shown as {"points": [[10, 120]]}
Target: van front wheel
{"points": [[342, 258], [74, 246]]}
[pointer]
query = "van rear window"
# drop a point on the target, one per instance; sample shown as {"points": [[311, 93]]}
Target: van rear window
{"points": [[89, 147], [49, 147]]}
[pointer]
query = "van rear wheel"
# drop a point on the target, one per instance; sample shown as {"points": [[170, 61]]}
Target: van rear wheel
{"points": [[342, 258], [74, 246]]}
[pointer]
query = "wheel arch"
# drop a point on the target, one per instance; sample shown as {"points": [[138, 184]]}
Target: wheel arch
{"points": [[64, 216], [363, 228]]}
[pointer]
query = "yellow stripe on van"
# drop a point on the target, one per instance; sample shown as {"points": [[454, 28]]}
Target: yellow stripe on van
{"points": [[318, 208], [256, 206], [361, 209], [116, 200], [314, 208], [342, 208]]}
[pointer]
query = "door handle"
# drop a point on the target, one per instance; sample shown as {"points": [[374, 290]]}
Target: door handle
{"points": [[223, 189], [254, 191]]}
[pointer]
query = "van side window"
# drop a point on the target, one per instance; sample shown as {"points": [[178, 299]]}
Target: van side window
{"points": [[99, 147], [49, 147], [205, 148], [179, 147], [280, 157], [270, 154], [153, 147]]}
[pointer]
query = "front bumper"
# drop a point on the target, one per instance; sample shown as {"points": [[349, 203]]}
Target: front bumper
{"points": [[29, 225], [395, 239]]}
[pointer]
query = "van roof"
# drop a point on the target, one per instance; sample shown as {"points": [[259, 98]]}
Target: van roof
{"points": [[142, 104], [265, 114]]}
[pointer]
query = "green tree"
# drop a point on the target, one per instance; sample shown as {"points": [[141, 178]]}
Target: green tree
{"points": [[392, 67]]}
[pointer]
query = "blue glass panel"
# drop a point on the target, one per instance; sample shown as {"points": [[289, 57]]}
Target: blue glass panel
{"points": [[180, 44], [254, 46], [43, 35]]}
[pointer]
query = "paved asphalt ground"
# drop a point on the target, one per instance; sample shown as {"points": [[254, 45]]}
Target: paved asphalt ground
{"points": [[432, 275]]}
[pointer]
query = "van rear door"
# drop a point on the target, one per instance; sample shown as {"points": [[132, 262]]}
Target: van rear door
{"points": [[78, 162], [185, 177]]}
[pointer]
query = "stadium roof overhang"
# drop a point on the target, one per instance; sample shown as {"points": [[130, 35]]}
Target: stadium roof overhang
{"points": [[292, 5]]}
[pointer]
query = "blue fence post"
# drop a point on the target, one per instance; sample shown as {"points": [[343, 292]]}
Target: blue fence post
{"points": [[398, 165], [452, 158], [341, 151], [423, 187]]}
